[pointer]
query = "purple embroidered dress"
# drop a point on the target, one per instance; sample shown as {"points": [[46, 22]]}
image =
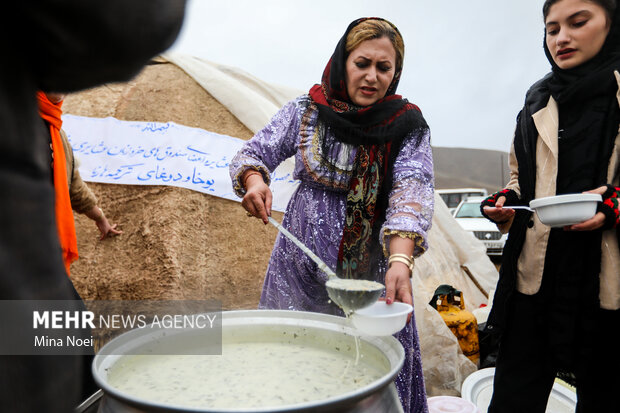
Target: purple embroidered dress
{"points": [[316, 213]]}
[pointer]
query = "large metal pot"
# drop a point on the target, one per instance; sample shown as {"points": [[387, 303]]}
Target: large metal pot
{"points": [[378, 396]]}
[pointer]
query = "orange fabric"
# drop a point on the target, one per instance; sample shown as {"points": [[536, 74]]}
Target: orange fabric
{"points": [[51, 113]]}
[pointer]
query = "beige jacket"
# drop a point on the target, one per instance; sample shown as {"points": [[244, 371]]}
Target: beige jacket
{"points": [[82, 198], [532, 259]]}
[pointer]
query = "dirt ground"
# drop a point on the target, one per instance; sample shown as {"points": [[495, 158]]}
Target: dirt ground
{"points": [[176, 243]]}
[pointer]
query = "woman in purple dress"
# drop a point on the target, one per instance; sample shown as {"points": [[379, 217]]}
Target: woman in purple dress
{"points": [[365, 201]]}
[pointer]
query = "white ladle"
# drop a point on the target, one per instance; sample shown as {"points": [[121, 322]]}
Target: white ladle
{"points": [[526, 208], [348, 294]]}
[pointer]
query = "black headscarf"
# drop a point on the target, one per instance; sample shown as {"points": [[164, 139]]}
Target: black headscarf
{"points": [[389, 119], [586, 96], [576, 90], [592, 77]]}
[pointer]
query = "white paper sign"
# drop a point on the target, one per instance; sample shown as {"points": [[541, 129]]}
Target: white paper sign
{"points": [[151, 153]]}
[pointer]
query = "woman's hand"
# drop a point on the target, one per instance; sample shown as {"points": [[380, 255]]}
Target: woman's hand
{"points": [[398, 285], [499, 213], [106, 230], [398, 276], [258, 197], [596, 222]]}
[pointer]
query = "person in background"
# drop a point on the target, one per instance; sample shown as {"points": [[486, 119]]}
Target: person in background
{"points": [[71, 192], [64, 46], [365, 202], [558, 297]]}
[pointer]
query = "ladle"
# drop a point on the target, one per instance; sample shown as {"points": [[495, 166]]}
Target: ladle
{"points": [[348, 294], [519, 207]]}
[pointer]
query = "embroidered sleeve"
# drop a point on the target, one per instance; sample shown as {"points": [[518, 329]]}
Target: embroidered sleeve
{"points": [[610, 208], [270, 146], [411, 204]]}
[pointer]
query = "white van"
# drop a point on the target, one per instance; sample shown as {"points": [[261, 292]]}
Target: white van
{"points": [[453, 197]]}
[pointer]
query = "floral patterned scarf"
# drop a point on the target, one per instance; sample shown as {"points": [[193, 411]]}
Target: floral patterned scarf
{"points": [[376, 131]]}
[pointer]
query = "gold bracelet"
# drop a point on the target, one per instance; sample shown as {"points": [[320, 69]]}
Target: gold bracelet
{"points": [[402, 258], [405, 256], [399, 259]]}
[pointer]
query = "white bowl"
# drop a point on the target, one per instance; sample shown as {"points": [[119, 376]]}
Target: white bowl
{"points": [[450, 404], [381, 319], [562, 210], [478, 389]]}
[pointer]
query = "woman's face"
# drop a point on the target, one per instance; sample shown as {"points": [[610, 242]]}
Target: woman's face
{"points": [[369, 70], [576, 31]]}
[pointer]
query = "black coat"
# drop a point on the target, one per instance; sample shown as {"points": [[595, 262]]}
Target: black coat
{"points": [[55, 46], [526, 136], [525, 151]]}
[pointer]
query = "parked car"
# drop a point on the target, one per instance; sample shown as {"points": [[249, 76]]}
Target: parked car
{"points": [[469, 217], [452, 197]]}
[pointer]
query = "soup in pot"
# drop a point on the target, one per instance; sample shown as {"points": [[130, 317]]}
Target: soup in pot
{"points": [[245, 375]]}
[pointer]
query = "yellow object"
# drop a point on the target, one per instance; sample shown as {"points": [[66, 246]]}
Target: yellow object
{"points": [[461, 322]]}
